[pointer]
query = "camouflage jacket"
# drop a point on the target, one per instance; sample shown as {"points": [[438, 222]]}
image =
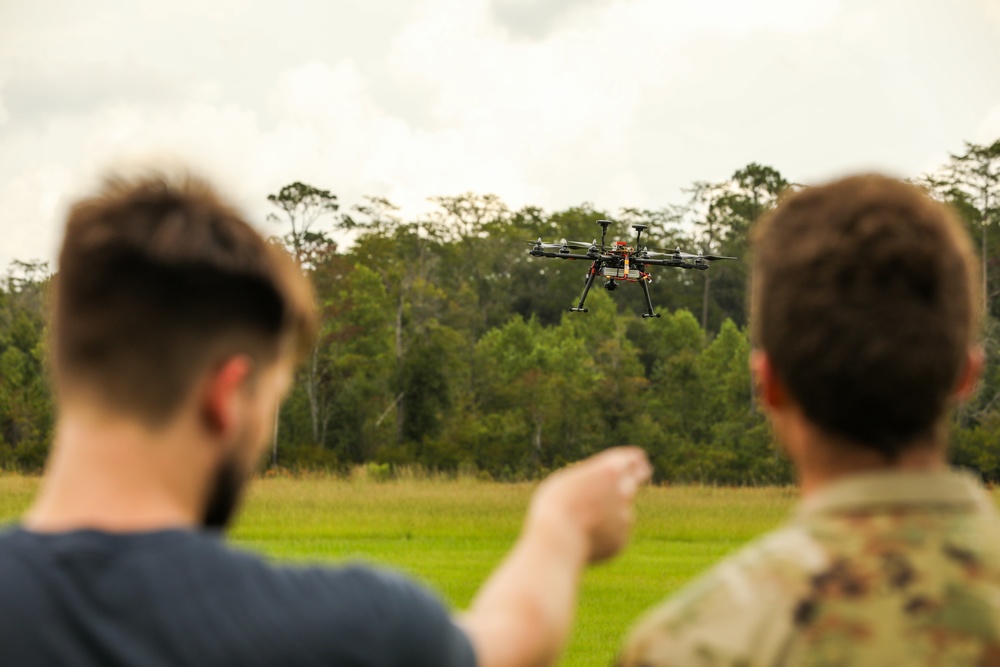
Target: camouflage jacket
{"points": [[880, 569]]}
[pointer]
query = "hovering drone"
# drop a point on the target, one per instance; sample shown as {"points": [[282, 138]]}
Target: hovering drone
{"points": [[621, 262]]}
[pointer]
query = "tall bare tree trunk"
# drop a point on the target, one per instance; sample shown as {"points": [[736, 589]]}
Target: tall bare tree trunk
{"points": [[399, 370], [986, 208], [312, 391], [536, 441], [324, 423], [986, 296], [704, 303]]}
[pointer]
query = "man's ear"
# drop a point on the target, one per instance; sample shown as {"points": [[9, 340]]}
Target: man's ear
{"points": [[770, 391], [222, 407], [967, 381]]}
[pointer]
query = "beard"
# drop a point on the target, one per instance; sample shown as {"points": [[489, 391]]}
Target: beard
{"points": [[225, 494]]}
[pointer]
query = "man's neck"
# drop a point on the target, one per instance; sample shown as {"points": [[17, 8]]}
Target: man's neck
{"points": [[824, 460], [111, 474]]}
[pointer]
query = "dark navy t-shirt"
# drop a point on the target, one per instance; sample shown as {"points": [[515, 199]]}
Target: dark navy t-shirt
{"points": [[174, 597]]}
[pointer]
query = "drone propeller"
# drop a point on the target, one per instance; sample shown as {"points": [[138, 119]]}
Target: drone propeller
{"points": [[545, 246], [661, 253], [676, 252], [561, 244]]}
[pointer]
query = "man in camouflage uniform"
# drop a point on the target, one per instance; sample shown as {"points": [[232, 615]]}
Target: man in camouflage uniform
{"points": [[864, 323]]}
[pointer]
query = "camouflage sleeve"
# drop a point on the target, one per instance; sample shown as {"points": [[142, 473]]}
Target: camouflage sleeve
{"points": [[739, 613]]}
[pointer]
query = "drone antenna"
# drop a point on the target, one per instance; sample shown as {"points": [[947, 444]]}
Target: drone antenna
{"points": [[604, 229], [639, 229]]}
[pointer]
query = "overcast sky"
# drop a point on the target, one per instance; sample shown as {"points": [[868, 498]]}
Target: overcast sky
{"points": [[546, 102]]}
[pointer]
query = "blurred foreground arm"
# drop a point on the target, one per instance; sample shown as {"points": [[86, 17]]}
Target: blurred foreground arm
{"points": [[579, 515]]}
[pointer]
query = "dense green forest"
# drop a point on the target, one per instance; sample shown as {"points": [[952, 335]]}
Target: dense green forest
{"points": [[446, 345]]}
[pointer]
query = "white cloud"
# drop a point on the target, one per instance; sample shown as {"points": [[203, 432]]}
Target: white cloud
{"points": [[990, 8], [31, 203], [989, 130], [618, 102]]}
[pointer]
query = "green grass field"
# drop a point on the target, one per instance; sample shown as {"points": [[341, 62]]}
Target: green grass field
{"points": [[451, 534]]}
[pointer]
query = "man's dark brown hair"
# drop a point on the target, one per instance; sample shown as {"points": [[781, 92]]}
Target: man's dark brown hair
{"points": [[158, 280], [865, 300]]}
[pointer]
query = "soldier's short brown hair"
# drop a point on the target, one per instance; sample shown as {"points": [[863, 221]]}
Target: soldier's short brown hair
{"points": [[158, 279], [865, 299]]}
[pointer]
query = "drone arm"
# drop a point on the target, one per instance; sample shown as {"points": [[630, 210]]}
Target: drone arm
{"points": [[559, 255], [668, 262]]}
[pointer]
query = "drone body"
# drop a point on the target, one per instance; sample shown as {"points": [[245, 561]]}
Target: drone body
{"points": [[621, 262]]}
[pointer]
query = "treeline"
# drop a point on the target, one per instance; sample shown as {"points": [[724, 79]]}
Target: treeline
{"points": [[445, 345]]}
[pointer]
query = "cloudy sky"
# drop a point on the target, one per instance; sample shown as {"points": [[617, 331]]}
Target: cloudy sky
{"points": [[547, 102]]}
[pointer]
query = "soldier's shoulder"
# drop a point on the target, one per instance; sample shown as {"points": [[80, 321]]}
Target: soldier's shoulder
{"points": [[864, 585], [776, 562], [746, 600]]}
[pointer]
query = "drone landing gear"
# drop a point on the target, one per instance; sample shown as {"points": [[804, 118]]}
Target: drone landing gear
{"points": [[586, 290], [649, 302]]}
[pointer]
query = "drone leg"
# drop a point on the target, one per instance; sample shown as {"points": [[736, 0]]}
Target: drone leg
{"points": [[649, 303], [586, 290]]}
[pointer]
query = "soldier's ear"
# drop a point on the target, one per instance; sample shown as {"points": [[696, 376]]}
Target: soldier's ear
{"points": [[967, 381], [771, 393]]}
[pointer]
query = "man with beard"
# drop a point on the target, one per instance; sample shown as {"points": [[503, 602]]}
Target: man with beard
{"points": [[865, 310], [175, 329]]}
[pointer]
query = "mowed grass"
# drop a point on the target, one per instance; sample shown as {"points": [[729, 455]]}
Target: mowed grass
{"points": [[450, 534]]}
